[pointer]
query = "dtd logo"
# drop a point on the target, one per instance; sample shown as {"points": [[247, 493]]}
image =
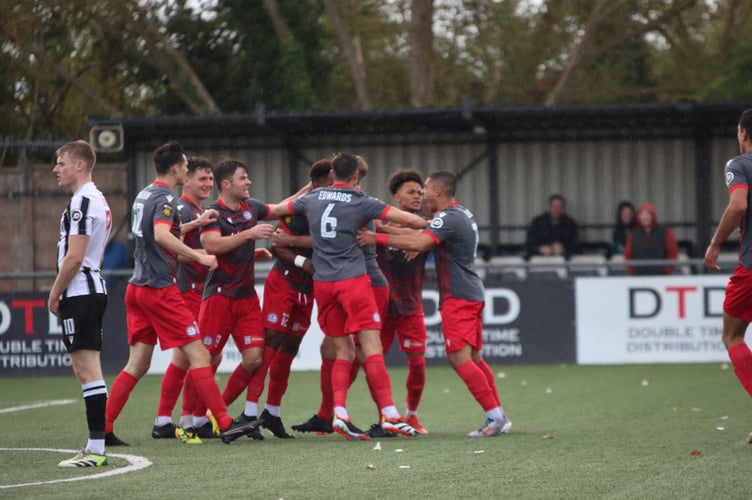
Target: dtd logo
{"points": [[645, 302]]}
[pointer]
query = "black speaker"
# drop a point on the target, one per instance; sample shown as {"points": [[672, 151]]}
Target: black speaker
{"points": [[106, 138]]}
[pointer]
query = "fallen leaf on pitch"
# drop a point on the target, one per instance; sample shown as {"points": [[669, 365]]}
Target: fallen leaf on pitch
{"points": [[725, 417], [378, 446], [371, 467], [523, 383], [696, 453], [644, 383], [501, 375], [695, 409], [404, 466], [398, 450], [548, 390], [724, 366], [477, 452], [549, 435], [719, 428], [446, 391]]}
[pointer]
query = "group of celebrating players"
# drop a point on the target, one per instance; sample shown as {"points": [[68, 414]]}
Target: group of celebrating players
{"points": [[193, 286]]}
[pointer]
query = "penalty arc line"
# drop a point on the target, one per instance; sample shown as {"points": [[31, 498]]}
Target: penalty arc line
{"points": [[136, 463]]}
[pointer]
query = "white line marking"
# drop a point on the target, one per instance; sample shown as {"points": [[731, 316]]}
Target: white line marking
{"points": [[136, 463], [41, 404]]}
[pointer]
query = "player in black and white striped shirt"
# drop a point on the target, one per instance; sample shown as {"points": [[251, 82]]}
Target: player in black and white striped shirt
{"points": [[79, 295]]}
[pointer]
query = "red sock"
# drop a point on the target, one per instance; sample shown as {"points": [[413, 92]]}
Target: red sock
{"points": [[354, 369], [118, 396], [236, 384], [488, 372], [208, 392], [279, 374], [340, 382], [741, 358], [172, 382], [326, 410], [258, 378], [199, 405], [190, 398], [416, 381], [476, 382], [378, 380]]}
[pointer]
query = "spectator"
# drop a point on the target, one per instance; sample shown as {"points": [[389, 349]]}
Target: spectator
{"points": [[553, 232], [625, 221], [650, 240]]}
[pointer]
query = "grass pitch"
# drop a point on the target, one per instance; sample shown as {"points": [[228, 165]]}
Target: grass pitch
{"points": [[658, 431]]}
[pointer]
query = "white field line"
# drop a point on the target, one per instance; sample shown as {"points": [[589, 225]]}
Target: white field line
{"points": [[41, 404], [135, 463]]}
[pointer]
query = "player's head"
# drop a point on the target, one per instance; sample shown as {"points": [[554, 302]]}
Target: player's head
{"points": [[439, 189], [362, 167], [231, 179], [744, 131], [406, 186], [321, 173], [557, 206], [345, 167], [200, 180], [79, 151], [167, 156]]}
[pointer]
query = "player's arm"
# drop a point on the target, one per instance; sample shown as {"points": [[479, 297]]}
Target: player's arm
{"points": [[71, 264], [216, 244], [207, 217], [288, 256], [730, 220], [416, 242], [405, 218], [282, 238], [284, 207], [164, 237]]}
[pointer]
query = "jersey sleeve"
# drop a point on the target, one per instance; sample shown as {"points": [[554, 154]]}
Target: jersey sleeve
{"points": [[165, 211], [440, 228], [736, 175], [80, 216], [261, 208]]}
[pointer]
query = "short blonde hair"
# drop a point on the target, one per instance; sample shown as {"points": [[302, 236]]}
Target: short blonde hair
{"points": [[79, 150]]}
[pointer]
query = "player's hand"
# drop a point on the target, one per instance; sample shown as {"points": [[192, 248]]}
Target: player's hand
{"points": [[281, 239], [366, 237], [711, 257], [262, 254], [209, 261], [410, 255], [308, 266], [260, 232], [208, 216], [53, 305]]}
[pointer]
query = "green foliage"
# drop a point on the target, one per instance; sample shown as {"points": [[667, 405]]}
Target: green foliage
{"points": [[658, 431]]}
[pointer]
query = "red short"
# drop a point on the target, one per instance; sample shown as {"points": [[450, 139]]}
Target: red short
{"points": [[461, 324], [410, 332], [159, 313], [285, 309], [738, 301], [346, 306], [223, 316], [193, 301], [381, 296]]}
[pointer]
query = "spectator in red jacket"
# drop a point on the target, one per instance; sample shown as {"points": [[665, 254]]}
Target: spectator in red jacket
{"points": [[649, 240]]}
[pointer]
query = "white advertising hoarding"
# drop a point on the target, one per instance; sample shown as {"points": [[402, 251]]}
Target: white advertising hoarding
{"points": [[661, 319]]}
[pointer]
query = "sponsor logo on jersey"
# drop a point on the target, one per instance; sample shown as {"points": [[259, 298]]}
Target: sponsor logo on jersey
{"points": [[192, 330], [76, 215], [729, 178], [167, 210], [207, 341], [437, 223], [272, 318], [247, 215]]}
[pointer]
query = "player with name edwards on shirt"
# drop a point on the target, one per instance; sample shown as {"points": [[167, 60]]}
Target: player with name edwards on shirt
{"points": [[453, 234], [342, 289]]}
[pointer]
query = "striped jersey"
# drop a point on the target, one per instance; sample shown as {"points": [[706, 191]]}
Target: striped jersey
{"points": [[191, 275], [87, 214]]}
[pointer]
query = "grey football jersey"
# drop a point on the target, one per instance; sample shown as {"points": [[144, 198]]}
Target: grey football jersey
{"points": [[738, 173], [154, 265], [455, 233], [335, 214]]}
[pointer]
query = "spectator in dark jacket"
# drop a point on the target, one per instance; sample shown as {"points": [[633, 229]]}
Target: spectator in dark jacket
{"points": [[625, 221], [650, 240], [553, 232]]}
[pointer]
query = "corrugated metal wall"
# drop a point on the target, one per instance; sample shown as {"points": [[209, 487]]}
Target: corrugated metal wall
{"points": [[593, 175]]}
